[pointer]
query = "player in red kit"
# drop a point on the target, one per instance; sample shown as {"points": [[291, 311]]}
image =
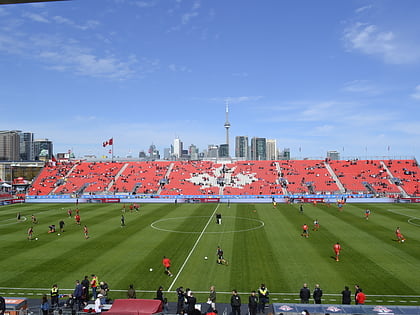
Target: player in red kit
{"points": [[166, 262], [337, 248], [305, 230], [77, 218], [400, 237]]}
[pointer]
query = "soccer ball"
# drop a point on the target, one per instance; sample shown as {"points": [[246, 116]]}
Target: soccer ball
{"points": [[36, 238], [151, 269], [58, 234], [402, 241], [205, 258]]}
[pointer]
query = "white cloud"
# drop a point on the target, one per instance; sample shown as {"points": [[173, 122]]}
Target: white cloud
{"points": [[176, 68], [241, 99], [90, 24], [361, 87], [369, 39], [416, 94], [36, 17], [363, 9]]}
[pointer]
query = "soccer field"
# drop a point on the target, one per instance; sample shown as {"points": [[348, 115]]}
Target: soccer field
{"points": [[262, 244]]}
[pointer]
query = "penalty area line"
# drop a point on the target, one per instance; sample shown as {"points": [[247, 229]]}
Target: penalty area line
{"points": [[193, 248]]}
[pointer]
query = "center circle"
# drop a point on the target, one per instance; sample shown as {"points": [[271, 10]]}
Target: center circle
{"points": [[171, 224]]}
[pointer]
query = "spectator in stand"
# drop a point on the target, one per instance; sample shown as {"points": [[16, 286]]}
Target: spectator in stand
{"points": [[98, 304], [2, 305], [346, 296], [45, 306], [304, 294], [104, 289]]}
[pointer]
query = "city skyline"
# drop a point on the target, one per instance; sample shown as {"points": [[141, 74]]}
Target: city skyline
{"points": [[340, 76]]}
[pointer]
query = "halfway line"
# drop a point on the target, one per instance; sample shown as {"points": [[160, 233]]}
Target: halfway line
{"points": [[192, 249]]}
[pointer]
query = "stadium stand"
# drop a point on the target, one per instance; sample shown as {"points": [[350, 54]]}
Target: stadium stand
{"points": [[406, 174], [169, 178], [364, 176], [307, 176]]}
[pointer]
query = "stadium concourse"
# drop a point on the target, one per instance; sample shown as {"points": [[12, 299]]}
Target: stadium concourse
{"points": [[282, 178]]}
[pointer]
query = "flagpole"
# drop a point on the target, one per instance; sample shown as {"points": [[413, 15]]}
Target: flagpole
{"points": [[112, 150]]}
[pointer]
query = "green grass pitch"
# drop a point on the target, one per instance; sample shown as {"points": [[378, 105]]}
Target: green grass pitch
{"points": [[262, 245]]}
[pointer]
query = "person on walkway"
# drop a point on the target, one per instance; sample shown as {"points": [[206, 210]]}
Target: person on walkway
{"points": [[262, 297], [346, 296], [54, 296], [94, 283], [235, 303], [212, 299], [131, 293], [360, 297], [304, 294], [317, 294], [253, 303], [78, 293]]}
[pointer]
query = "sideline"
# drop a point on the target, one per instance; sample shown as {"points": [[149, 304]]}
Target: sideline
{"points": [[193, 248]]}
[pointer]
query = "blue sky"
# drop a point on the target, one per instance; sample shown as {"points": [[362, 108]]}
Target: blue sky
{"points": [[315, 75]]}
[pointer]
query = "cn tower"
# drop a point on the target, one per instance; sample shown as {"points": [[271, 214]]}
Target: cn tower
{"points": [[227, 124]]}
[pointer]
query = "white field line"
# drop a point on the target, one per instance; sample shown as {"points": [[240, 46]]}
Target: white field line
{"points": [[193, 248], [406, 215]]}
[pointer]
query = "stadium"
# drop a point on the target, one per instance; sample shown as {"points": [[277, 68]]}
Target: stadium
{"points": [[170, 210], [86, 227]]}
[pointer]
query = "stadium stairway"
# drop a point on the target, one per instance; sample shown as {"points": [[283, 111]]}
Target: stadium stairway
{"points": [[388, 171], [108, 188], [65, 177], [335, 177], [167, 175]]}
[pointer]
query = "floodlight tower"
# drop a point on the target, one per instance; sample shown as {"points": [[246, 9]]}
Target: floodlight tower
{"points": [[227, 124]]}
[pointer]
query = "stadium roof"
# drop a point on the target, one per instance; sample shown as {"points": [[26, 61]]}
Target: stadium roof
{"points": [[25, 1]]}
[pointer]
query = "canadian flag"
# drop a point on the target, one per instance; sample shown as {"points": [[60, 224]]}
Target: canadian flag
{"points": [[108, 142]]}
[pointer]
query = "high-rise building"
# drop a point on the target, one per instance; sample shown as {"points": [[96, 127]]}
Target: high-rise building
{"points": [[154, 152], [271, 145], [177, 149], [285, 154], [223, 151], [213, 151], [26, 146], [227, 126], [43, 149], [258, 149], [10, 145], [167, 153], [193, 152], [242, 147]]}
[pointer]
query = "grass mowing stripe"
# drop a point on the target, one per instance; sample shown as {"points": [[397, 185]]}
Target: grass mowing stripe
{"points": [[193, 248], [122, 256]]}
